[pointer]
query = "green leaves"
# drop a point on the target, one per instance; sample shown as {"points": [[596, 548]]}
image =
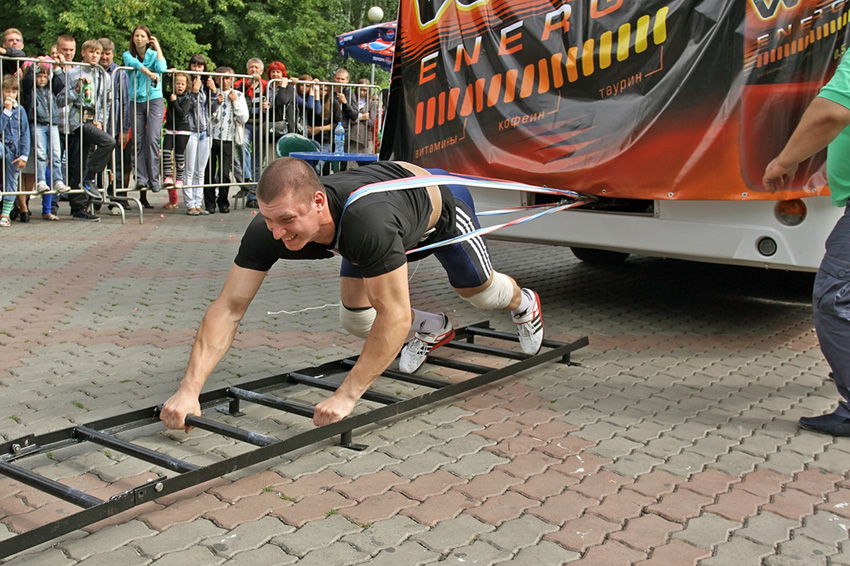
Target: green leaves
{"points": [[301, 33]]}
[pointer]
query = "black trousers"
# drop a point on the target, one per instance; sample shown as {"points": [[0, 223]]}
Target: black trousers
{"points": [[221, 160]]}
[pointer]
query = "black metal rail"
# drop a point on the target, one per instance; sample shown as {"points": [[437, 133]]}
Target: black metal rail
{"points": [[102, 432]]}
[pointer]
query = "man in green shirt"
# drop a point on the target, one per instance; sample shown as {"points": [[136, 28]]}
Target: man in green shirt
{"points": [[826, 123]]}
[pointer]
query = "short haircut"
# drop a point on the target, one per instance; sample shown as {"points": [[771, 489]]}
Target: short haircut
{"points": [[254, 60], [107, 44], [10, 31], [290, 176], [276, 66], [65, 38], [224, 70], [91, 44], [10, 82], [184, 75]]}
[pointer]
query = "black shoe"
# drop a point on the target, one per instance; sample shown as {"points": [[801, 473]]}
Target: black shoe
{"points": [[224, 209], [25, 216], [831, 423], [14, 213], [211, 210], [85, 216], [252, 204]]}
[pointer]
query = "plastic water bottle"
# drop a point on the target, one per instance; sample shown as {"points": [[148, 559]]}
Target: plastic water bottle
{"points": [[339, 138]]}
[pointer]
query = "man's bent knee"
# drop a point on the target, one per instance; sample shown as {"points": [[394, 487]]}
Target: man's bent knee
{"points": [[357, 321], [498, 295]]}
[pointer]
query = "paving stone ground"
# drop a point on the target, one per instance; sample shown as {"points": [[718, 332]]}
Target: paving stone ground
{"points": [[672, 441]]}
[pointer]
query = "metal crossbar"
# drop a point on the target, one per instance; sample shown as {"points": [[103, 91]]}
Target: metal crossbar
{"points": [[102, 432]]}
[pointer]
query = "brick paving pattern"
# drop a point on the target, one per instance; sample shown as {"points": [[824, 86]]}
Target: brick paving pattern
{"points": [[671, 441]]}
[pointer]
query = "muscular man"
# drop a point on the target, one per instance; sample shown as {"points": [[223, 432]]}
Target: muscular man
{"points": [[303, 216], [826, 122]]}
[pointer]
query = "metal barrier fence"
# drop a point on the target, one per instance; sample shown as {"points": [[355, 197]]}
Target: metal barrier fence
{"points": [[213, 157]]}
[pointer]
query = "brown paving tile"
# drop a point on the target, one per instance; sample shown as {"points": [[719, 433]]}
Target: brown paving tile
{"points": [[13, 506], [313, 484], [487, 417], [439, 508], [511, 447], [815, 481], [837, 502], [311, 508], [656, 483], [552, 430], [500, 431], [378, 508], [501, 508], [763, 482], [368, 485], [676, 553], [526, 465], [182, 511], [537, 417], [23, 522], [431, 484], [737, 505], [611, 553], [480, 401], [621, 506], [710, 483], [582, 465], [681, 505], [544, 485], [487, 485], [9, 487], [645, 533], [600, 485], [792, 504], [561, 508], [582, 533], [246, 510], [247, 486], [523, 404], [565, 447], [35, 498], [516, 389]]}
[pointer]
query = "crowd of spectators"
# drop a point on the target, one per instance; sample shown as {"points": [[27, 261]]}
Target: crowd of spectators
{"points": [[89, 131]]}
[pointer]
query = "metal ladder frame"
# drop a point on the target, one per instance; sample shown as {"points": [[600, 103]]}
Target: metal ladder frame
{"points": [[101, 432]]}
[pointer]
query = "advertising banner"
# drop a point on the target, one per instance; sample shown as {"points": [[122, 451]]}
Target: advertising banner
{"points": [[676, 99]]}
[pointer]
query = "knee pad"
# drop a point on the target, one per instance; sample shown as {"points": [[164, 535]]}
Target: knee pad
{"points": [[357, 322], [497, 296]]}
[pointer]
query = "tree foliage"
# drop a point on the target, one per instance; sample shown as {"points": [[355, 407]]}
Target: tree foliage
{"points": [[300, 33]]}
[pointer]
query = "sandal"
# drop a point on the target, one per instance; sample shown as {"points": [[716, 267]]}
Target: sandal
{"points": [[49, 217], [5, 222]]}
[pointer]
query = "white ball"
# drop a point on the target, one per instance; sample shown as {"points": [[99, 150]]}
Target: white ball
{"points": [[375, 14]]}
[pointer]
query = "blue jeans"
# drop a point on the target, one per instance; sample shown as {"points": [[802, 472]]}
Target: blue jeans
{"points": [[48, 147], [10, 174], [251, 155], [831, 306]]}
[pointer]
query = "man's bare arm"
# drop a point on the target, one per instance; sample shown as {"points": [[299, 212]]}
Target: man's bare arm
{"points": [[820, 124], [214, 338], [390, 296]]}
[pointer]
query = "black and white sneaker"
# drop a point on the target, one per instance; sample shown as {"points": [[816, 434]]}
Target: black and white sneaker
{"points": [[85, 216], [415, 352], [529, 325], [90, 189]]}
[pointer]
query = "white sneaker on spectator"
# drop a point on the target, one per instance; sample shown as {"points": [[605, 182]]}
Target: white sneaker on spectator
{"points": [[114, 211], [529, 324], [60, 187], [415, 352], [41, 187]]}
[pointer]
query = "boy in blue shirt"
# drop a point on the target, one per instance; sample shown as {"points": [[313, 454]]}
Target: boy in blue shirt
{"points": [[16, 144]]}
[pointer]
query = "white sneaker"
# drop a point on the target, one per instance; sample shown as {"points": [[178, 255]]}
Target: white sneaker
{"points": [[415, 352], [114, 211], [41, 187], [529, 325], [61, 187]]}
